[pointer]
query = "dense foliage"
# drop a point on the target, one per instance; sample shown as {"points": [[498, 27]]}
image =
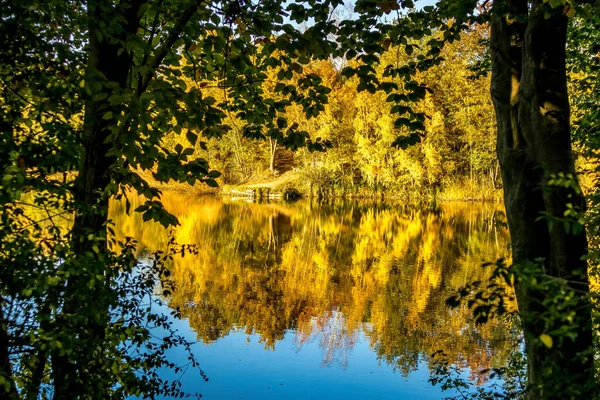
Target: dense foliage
{"points": [[93, 94], [88, 92], [456, 155]]}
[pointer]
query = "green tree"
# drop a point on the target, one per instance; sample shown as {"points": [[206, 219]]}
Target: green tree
{"points": [[92, 88]]}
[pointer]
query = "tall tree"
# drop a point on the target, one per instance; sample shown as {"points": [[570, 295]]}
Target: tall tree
{"points": [[67, 296], [529, 90]]}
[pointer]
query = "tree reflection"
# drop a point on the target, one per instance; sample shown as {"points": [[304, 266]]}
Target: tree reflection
{"points": [[328, 272]]}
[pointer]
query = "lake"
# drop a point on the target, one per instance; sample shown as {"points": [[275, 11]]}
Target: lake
{"points": [[342, 299]]}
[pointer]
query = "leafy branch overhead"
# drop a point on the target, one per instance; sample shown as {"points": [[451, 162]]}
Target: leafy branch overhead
{"points": [[91, 92]]}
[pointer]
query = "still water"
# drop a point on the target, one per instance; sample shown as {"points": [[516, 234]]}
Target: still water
{"points": [[341, 300]]}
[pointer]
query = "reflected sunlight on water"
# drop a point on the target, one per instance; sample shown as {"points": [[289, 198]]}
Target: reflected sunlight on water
{"points": [[329, 282]]}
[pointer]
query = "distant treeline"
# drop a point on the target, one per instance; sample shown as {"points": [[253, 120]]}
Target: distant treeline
{"points": [[456, 156]]}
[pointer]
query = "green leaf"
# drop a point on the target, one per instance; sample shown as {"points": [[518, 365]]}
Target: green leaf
{"points": [[191, 137], [556, 3], [212, 183]]}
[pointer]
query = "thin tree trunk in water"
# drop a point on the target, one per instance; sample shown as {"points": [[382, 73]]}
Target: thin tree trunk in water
{"points": [[529, 92]]}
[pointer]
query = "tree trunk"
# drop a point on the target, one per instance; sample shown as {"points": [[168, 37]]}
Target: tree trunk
{"points": [[8, 384], [529, 92], [273, 149], [110, 67]]}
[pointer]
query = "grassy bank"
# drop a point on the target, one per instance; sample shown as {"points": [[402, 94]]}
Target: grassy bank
{"points": [[293, 180], [173, 186]]}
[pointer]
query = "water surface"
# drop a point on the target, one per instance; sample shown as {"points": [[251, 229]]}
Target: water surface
{"points": [[336, 300]]}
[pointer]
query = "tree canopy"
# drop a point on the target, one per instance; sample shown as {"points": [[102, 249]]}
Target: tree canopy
{"points": [[91, 92]]}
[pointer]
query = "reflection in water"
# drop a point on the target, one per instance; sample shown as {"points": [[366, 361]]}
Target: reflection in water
{"points": [[333, 273]]}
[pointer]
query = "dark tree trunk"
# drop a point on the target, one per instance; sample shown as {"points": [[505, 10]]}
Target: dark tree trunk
{"points": [[10, 391], [110, 67], [109, 64], [529, 92]]}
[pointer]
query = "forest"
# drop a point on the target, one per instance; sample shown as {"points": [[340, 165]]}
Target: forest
{"points": [[454, 160], [111, 108]]}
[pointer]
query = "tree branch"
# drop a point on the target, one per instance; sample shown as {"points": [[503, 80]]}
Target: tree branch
{"points": [[165, 47]]}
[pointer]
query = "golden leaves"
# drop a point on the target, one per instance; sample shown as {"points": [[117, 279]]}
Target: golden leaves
{"points": [[569, 10], [546, 340]]}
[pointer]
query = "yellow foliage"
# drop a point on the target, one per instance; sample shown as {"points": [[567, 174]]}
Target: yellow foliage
{"points": [[333, 270]]}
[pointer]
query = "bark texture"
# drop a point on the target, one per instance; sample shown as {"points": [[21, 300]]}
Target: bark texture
{"points": [[529, 91], [110, 66], [10, 390]]}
